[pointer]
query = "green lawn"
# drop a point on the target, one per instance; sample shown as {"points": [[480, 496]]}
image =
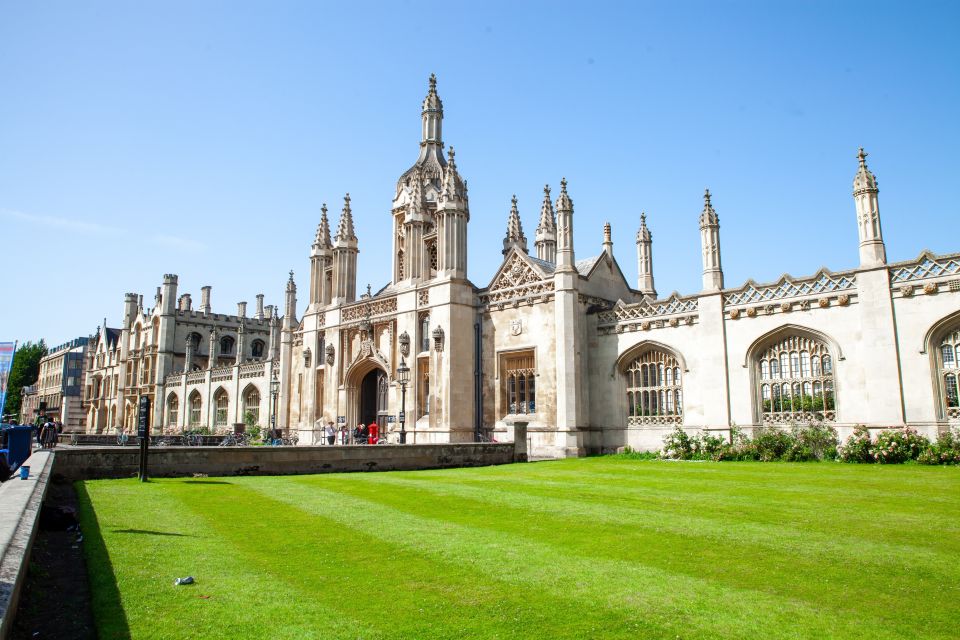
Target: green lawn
{"points": [[589, 548]]}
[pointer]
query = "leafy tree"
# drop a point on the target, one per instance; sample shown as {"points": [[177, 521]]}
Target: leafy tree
{"points": [[23, 373]]}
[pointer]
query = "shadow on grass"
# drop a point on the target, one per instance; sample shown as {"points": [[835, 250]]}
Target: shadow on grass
{"points": [[108, 613], [152, 533]]}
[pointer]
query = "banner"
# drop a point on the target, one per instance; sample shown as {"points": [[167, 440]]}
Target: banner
{"points": [[7, 349]]}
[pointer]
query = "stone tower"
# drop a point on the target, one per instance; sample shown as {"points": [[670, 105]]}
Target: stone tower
{"points": [[710, 245], [345, 258], [645, 259]]}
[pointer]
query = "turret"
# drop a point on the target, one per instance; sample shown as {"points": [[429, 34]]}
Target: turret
{"points": [[565, 255], [321, 254], [212, 352], [345, 258], [514, 237], [546, 238], [432, 116], [290, 310], [645, 259], [259, 314], [453, 214], [129, 309], [241, 309], [873, 253], [710, 245]]}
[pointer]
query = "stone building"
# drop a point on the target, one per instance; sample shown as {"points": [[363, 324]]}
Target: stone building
{"points": [[200, 369], [590, 361], [59, 386]]}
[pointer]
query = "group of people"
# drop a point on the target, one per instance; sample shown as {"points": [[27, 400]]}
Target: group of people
{"points": [[48, 431], [361, 434]]}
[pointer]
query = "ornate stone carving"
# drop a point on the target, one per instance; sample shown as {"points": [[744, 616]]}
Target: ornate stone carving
{"points": [[843, 300], [646, 309], [404, 341], [786, 307], [752, 312], [674, 322], [907, 290], [423, 297], [438, 339], [930, 288], [734, 314], [369, 309], [516, 327], [926, 266], [787, 287], [645, 325], [770, 309], [823, 302], [805, 305], [306, 357], [331, 352]]}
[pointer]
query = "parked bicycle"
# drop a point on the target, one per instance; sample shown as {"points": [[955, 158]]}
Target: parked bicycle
{"points": [[122, 438]]}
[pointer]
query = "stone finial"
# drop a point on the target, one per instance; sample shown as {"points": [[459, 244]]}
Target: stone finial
{"points": [[322, 240], [291, 285], [864, 181], [708, 216], [432, 101], [607, 233], [453, 188], [514, 236], [548, 219]]}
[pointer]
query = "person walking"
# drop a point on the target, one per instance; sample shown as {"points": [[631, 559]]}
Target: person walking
{"points": [[330, 433]]}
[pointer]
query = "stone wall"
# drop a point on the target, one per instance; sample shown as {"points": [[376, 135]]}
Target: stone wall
{"points": [[121, 462]]}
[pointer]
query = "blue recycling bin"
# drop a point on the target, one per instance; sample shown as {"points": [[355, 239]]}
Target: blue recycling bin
{"points": [[19, 444]]}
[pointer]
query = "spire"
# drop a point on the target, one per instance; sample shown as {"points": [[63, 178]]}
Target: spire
{"points": [[345, 228], [864, 180], [290, 311], [454, 188], [322, 240], [708, 215], [564, 203], [432, 115], [546, 238], [645, 259], [643, 234], [873, 252], [291, 285], [608, 239], [514, 237]]}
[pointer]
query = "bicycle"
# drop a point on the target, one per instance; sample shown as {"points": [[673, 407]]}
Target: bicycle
{"points": [[122, 438]]}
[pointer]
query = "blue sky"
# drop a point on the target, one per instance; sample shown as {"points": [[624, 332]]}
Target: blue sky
{"points": [[200, 138]]}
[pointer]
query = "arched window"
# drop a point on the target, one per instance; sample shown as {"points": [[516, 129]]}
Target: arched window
{"points": [[173, 409], [220, 402], [654, 389], [251, 404], [196, 406], [226, 345], [256, 349], [948, 364], [806, 371]]}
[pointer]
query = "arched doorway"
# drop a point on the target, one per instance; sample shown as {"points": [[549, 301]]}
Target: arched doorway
{"points": [[373, 398]]}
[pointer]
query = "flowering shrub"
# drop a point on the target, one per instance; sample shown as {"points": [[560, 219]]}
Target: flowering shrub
{"points": [[894, 446], [858, 447], [814, 442], [771, 443], [708, 447], [945, 451], [677, 445]]}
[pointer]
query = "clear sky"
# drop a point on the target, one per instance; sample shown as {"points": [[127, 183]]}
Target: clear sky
{"points": [[200, 138]]}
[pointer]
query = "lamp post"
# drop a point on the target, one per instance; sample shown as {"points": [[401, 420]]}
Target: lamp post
{"points": [[403, 377], [274, 390]]}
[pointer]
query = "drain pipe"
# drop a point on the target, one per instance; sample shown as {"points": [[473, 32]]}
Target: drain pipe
{"points": [[477, 381]]}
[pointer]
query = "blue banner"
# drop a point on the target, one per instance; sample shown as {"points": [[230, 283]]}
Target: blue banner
{"points": [[7, 349]]}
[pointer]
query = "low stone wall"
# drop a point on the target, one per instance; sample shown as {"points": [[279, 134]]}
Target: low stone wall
{"points": [[20, 502], [85, 463]]}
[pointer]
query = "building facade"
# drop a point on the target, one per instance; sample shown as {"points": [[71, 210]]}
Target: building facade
{"points": [[588, 360], [59, 386], [200, 369]]}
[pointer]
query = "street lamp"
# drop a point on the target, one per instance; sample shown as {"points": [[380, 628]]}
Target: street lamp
{"points": [[403, 377], [274, 390]]}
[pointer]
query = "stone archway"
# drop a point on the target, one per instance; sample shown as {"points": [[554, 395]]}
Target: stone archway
{"points": [[367, 383]]}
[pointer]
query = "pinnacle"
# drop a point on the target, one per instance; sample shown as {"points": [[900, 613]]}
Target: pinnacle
{"points": [[548, 220], [345, 228]]}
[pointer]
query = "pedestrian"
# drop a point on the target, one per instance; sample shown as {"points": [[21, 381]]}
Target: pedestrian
{"points": [[344, 435], [330, 433], [358, 434]]}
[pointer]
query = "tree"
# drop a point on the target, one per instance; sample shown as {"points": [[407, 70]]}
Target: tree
{"points": [[23, 373]]}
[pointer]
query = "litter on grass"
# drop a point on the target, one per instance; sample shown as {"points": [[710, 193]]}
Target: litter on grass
{"points": [[182, 581]]}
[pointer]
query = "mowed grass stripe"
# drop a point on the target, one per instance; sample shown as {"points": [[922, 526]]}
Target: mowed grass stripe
{"points": [[547, 565], [905, 515], [152, 537], [363, 570], [783, 542]]}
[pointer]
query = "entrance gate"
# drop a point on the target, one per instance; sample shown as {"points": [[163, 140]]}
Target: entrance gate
{"points": [[373, 398]]}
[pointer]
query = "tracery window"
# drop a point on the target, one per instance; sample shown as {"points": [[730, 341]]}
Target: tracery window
{"points": [[251, 404], [795, 381], [256, 349], [226, 345], [221, 401], [173, 409], [425, 333], [519, 375], [423, 395], [948, 357], [654, 389], [196, 405]]}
